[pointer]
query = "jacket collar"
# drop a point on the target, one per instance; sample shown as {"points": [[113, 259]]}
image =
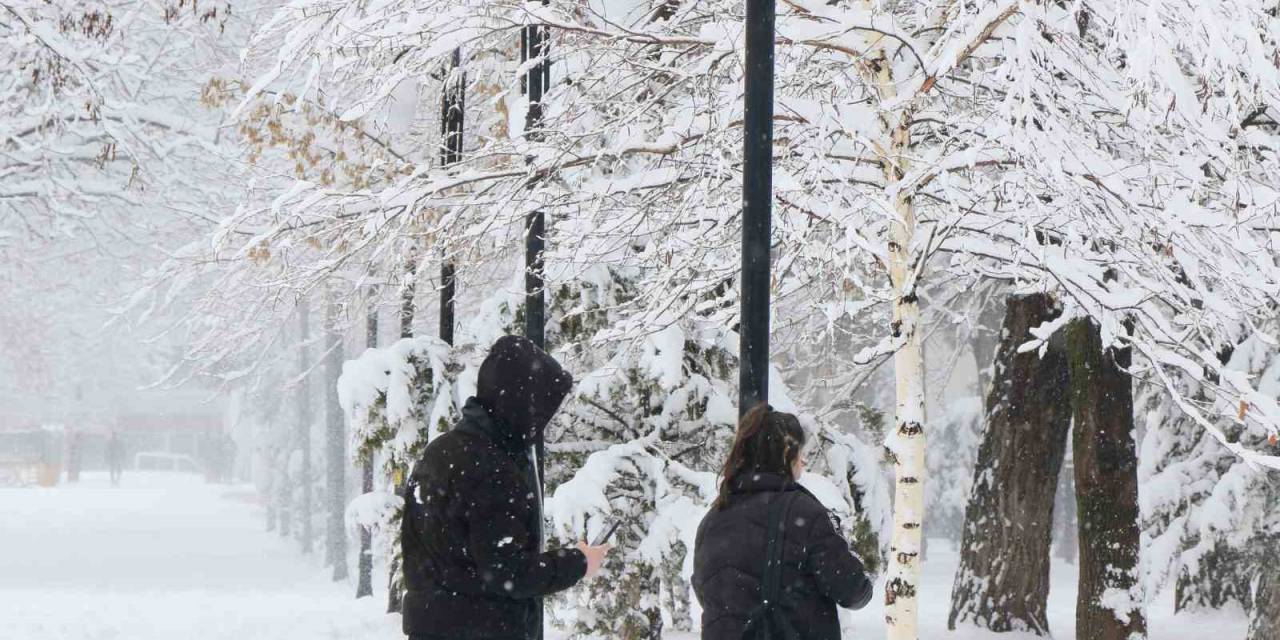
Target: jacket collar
{"points": [[477, 419], [758, 482]]}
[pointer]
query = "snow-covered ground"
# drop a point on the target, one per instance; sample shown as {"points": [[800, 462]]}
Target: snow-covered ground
{"points": [[168, 556], [935, 594], [164, 556]]}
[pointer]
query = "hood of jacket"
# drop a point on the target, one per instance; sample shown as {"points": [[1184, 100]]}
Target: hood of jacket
{"points": [[521, 386]]}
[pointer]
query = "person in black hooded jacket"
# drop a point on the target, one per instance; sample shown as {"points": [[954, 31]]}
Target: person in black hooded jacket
{"points": [[818, 571], [471, 538]]}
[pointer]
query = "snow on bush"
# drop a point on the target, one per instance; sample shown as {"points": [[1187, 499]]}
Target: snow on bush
{"points": [[398, 398], [642, 438]]}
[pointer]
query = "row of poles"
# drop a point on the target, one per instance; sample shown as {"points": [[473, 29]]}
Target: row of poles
{"points": [[757, 197]]}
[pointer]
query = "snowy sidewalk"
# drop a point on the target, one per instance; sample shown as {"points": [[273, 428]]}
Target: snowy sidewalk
{"points": [[169, 557], [165, 556]]}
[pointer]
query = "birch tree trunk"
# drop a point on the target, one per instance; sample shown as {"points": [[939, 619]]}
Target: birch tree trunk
{"points": [[1107, 605], [335, 447], [1002, 583], [907, 441]]}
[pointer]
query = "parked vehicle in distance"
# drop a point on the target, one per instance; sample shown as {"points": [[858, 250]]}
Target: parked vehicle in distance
{"points": [[30, 456]]}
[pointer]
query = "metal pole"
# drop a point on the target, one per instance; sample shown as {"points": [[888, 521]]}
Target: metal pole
{"points": [[535, 301], [757, 197], [535, 84], [534, 46], [452, 111]]}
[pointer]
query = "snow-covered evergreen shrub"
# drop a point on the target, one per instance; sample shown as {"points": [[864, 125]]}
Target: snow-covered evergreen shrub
{"points": [[1179, 465], [642, 439], [396, 399], [1206, 513], [667, 405]]}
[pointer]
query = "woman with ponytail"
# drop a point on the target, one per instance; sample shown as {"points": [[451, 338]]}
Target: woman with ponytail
{"points": [[769, 562]]}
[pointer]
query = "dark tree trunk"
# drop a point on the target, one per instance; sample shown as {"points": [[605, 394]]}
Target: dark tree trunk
{"points": [[335, 447], [407, 298], [1106, 467], [284, 493], [1221, 576], [364, 582], [395, 590], [304, 429], [1002, 583], [272, 490]]}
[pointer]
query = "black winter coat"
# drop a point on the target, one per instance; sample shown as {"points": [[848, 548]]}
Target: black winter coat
{"points": [[471, 536], [819, 571]]}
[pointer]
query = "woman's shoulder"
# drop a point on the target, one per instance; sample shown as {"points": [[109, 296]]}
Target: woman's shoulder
{"points": [[809, 509], [805, 499]]}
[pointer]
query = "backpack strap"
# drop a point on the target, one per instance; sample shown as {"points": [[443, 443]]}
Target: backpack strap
{"points": [[766, 621], [779, 510]]}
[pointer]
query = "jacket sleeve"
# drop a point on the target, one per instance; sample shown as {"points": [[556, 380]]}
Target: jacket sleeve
{"points": [[499, 543], [837, 571]]}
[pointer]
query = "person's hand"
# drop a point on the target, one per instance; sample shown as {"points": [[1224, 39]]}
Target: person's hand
{"points": [[595, 557]]}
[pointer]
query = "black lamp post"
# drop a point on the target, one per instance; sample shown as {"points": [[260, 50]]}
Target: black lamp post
{"points": [[452, 110], [757, 197], [533, 46]]}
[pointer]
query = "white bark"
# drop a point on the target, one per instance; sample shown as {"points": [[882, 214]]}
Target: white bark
{"points": [[907, 441]]}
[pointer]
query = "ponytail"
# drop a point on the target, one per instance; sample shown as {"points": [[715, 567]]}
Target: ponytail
{"points": [[766, 441]]}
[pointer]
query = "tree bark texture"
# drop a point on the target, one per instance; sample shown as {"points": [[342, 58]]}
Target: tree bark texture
{"points": [[907, 443], [1106, 466], [1002, 583], [335, 448]]}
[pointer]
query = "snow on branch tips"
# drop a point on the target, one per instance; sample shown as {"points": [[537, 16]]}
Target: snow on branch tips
{"points": [[399, 397]]}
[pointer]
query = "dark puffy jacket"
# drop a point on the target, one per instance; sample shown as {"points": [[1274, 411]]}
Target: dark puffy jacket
{"points": [[471, 537], [819, 572]]}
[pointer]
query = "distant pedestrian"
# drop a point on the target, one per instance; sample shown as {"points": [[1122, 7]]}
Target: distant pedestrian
{"points": [[75, 451], [792, 593], [115, 456], [474, 562]]}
